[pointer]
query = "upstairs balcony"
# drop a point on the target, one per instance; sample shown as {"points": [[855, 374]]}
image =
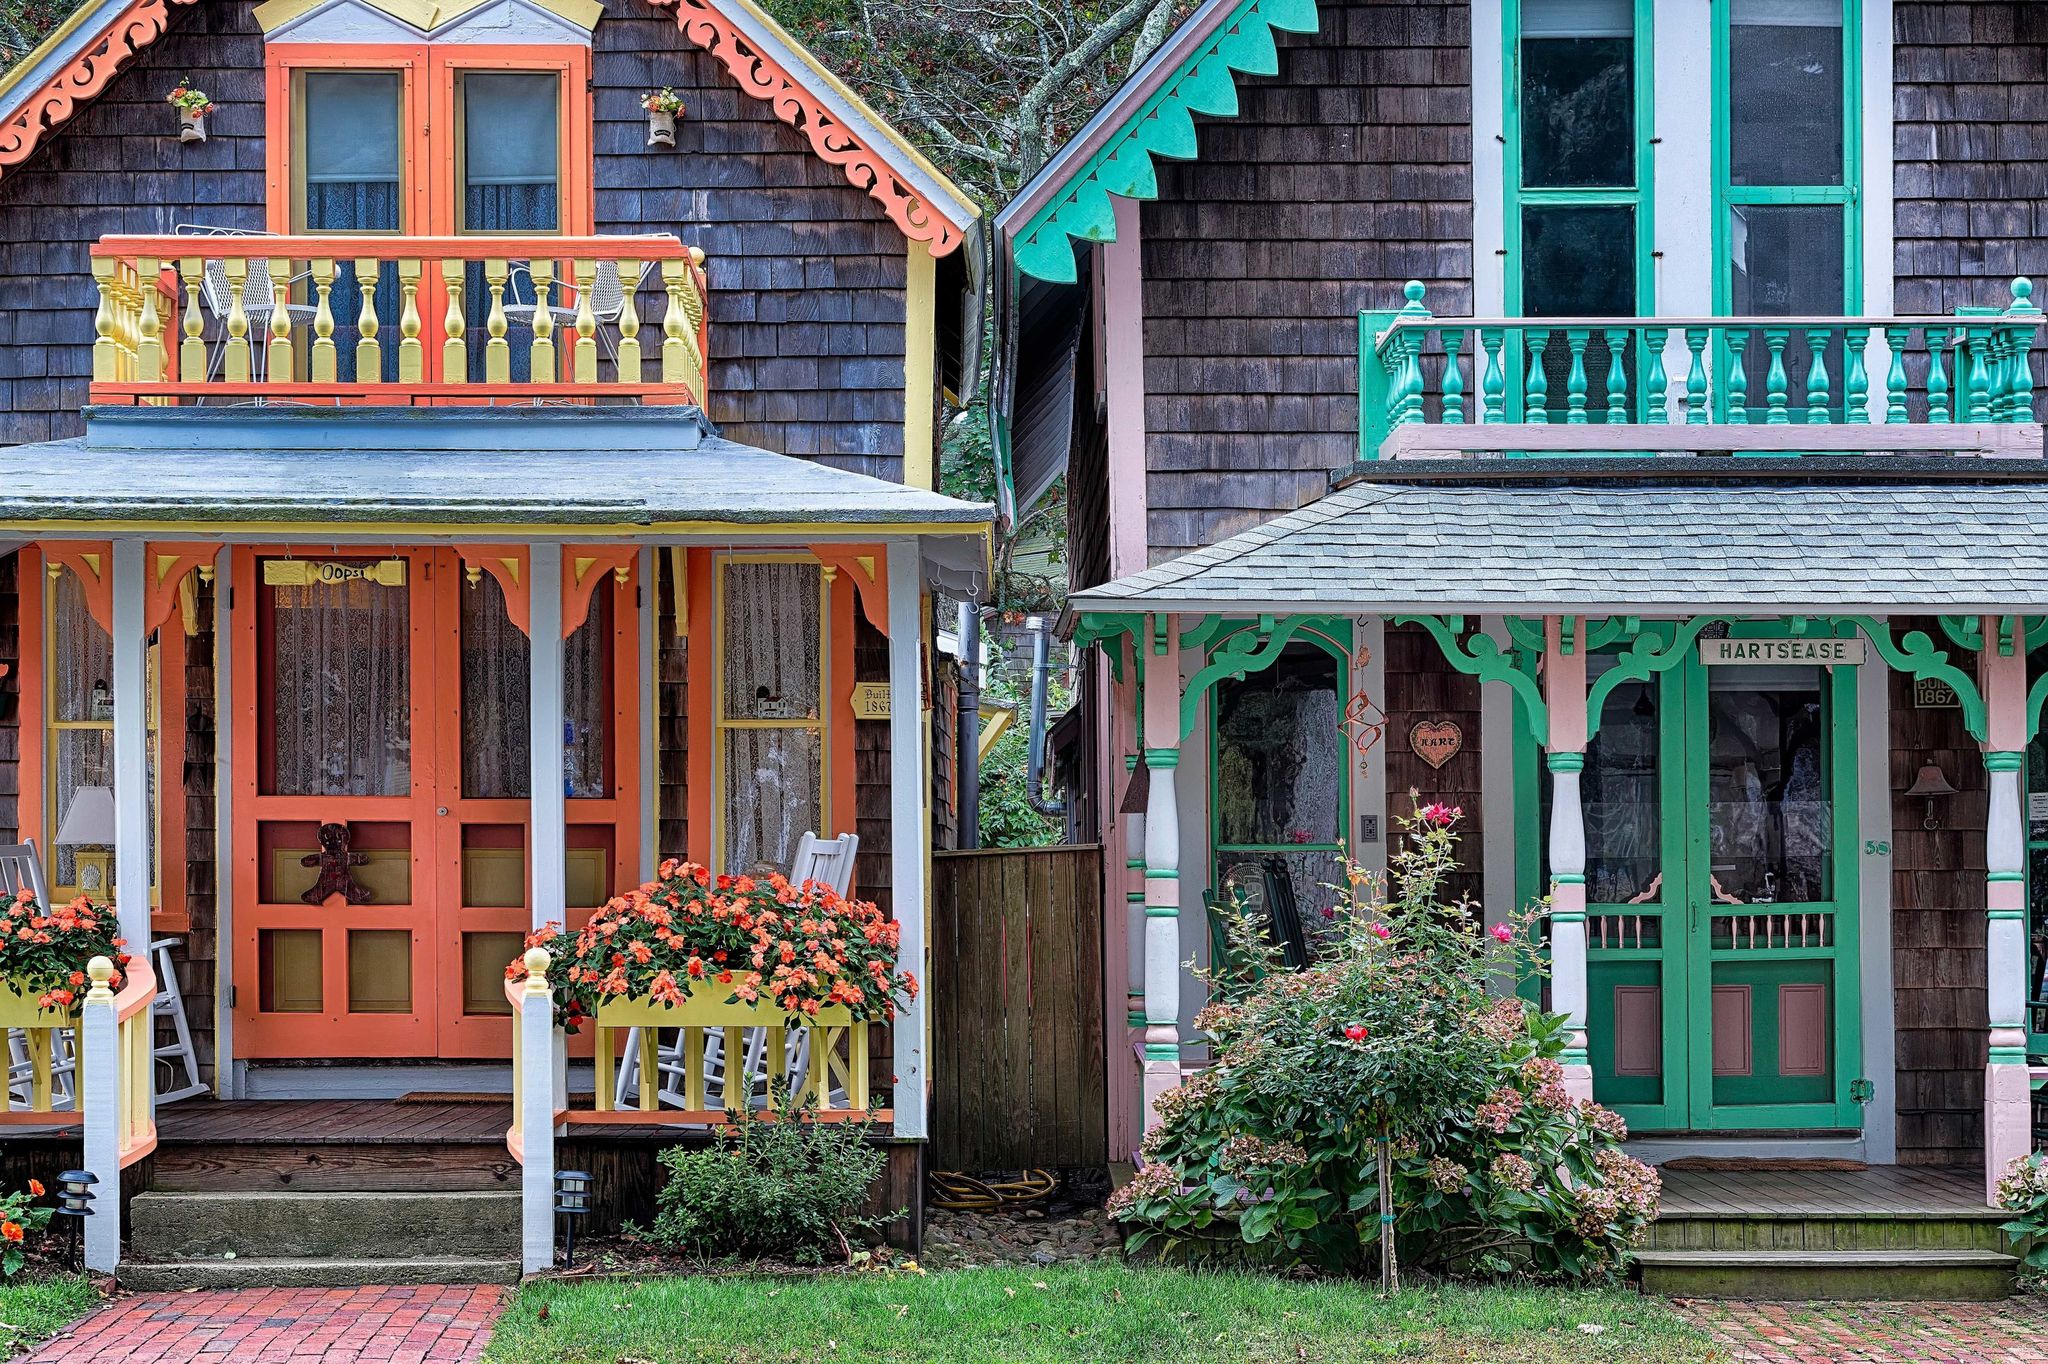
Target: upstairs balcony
{"points": [[1447, 387], [401, 321]]}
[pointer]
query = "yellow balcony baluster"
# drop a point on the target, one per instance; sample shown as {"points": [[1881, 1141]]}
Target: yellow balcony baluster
{"points": [[235, 361], [192, 350], [675, 352], [321, 368], [369, 350], [543, 351], [586, 322], [497, 351], [629, 324], [277, 360], [454, 350], [735, 1070], [411, 358], [106, 350], [149, 324]]}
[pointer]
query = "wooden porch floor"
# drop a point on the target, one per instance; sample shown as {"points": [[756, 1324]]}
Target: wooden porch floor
{"points": [[1896, 1190]]}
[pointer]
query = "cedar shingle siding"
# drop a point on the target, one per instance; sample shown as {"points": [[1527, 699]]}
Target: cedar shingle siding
{"points": [[807, 273], [1340, 179]]}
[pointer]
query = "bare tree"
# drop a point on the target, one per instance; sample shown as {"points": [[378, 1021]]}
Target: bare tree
{"points": [[989, 87]]}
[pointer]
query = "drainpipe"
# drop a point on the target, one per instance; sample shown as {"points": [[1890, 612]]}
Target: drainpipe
{"points": [[1041, 669], [967, 727]]}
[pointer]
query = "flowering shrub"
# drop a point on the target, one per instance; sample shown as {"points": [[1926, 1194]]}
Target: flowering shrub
{"points": [[44, 954], [1391, 1054], [2023, 1192], [744, 938], [18, 1217]]}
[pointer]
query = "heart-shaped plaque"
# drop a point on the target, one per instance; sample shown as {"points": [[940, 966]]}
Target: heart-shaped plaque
{"points": [[1436, 742]]}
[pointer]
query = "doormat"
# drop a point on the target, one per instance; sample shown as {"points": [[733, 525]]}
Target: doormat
{"points": [[1758, 1164]]}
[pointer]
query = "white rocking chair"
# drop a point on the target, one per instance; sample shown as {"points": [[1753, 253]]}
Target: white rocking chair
{"points": [[827, 861]]}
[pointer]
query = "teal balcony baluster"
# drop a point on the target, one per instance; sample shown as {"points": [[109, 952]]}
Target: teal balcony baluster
{"points": [[1857, 407], [1658, 411], [1977, 353], [1696, 376], [1536, 388], [1937, 375], [1493, 387], [1736, 391], [1454, 379], [1617, 375], [2022, 382], [1575, 382], [1777, 383], [1817, 375], [1898, 338]]}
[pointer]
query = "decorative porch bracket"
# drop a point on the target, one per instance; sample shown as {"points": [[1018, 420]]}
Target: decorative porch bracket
{"points": [[1646, 655], [1248, 651], [1479, 655], [1920, 658]]}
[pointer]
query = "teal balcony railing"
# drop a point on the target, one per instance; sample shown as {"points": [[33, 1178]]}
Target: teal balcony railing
{"points": [[1767, 385]]}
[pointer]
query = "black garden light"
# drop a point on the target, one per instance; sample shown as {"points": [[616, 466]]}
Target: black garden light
{"points": [[572, 1200], [74, 1202]]}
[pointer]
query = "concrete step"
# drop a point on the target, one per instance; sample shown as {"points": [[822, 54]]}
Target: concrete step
{"points": [[287, 1272], [315, 1224], [333, 1165], [1960, 1230], [1839, 1275]]}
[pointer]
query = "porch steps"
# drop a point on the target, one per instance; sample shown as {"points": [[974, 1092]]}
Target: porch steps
{"points": [[1948, 1256], [299, 1237]]}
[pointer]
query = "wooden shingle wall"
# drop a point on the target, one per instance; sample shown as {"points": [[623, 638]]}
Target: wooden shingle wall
{"points": [[1970, 108], [1422, 688], [118, 166], [807, 273], [1938, 935], [1341, 178], [196, 960]]}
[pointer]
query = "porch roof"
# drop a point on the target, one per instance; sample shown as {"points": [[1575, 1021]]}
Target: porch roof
{"points": [[549, 473], [1644, 538]]}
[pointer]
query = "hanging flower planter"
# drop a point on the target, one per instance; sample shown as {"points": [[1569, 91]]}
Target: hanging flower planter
{"points": [[193, 106], [664, 107]]}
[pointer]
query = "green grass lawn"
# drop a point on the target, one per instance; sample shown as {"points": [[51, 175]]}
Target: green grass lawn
{"points": [[33, 1309], [1094, 1314]]}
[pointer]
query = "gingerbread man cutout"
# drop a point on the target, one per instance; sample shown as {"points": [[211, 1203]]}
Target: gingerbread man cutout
{"points": [[334, 860]]}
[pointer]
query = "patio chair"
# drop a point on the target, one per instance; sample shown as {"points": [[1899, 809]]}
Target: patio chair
{"points": [[828, 861], [216, 292], [607, 301], [178, 1054]]}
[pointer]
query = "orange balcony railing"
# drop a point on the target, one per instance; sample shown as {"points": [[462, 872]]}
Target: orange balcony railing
{"points": [[407, 321]]}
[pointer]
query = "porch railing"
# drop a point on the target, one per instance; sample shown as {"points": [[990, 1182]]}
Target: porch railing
{"points": [[400, 320], [1767, 384]]}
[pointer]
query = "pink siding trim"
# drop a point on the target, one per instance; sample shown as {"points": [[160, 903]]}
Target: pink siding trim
{"points": [[1638, 1030], [2004, 679], [1123, 307], [1126, 1082], [1731, 1030], [1564, 686], [1803, 1029]]}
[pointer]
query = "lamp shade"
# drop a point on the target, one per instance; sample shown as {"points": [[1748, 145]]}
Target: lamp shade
{"points": [[90, 819]]}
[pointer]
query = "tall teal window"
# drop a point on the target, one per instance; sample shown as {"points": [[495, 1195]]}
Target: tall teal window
{"points": [[1577, 165], [1787, 157]]}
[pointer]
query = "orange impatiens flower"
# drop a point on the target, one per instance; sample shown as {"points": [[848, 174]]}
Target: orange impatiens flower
{"points": [[11, 1230], [35, 1188]]}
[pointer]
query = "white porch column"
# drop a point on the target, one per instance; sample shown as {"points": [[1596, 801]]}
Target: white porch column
{"points": [[2008, 1130], [99, 1099], [549, 815], [131, 748], [550, 806], [1564, 693], [1134, 905], [909, 794], [1162, 861]]}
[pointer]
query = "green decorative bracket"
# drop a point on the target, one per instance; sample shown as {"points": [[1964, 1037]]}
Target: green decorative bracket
{"points": [[2037, 697], [1163, 125], [1252, 649], [1917, 656], [1966, 632], [1104, 627], [1527, 632], [1478, 655], [1648, 653]]}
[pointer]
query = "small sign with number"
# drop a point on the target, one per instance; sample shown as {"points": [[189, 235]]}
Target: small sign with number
{"points": [[871, 701], [1931, 693]]}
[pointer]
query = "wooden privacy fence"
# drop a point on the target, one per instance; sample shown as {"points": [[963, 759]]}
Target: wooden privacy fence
{"points": [[1018, 1066]]}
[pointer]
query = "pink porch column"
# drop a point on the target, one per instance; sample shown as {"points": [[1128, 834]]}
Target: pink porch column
{"points": [[1162, 861], [1564, 694], [2008, 1126]]}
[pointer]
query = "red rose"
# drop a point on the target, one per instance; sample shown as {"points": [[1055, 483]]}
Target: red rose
{"points": [[1355, 1032]]}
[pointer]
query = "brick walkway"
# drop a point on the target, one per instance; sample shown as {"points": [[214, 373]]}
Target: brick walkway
{"points": [[424, 1325], [2012, 1332]]}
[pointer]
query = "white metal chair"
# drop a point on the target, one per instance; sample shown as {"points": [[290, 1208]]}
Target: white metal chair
{"points": [[607, 301], [258, 298], [829, 862]]}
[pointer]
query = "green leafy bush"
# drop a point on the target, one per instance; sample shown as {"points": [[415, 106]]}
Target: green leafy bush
{"points": [[1391, 1052], [19, 1216], [782, 1189], [2023, 1192]]}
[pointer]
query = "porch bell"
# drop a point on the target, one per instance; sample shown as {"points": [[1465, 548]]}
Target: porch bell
{"points": [[1931, 785]]}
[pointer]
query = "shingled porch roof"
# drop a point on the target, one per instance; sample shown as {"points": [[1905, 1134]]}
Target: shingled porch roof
{"points": [[1948, 536]]}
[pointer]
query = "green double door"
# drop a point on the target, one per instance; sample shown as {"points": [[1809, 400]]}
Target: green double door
{"points": [[1721, 887]]}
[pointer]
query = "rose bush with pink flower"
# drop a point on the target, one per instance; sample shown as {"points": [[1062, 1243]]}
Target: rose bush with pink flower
{"points": [[1454, 1090]]}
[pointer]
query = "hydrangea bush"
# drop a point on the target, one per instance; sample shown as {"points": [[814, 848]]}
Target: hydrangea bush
{"points": [[1394, 1052], [2023, 1192]]}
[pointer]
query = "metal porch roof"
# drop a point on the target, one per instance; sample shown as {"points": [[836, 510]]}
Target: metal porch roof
{"points": [[1774, 544]]}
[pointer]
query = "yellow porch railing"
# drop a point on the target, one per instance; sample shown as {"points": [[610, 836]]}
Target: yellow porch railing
{"points": [[133, 1048], [399, 320], [44, 1037], [831, 1083]]}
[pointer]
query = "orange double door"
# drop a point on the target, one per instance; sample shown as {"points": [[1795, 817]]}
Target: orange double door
{"points": [[380, 769]]}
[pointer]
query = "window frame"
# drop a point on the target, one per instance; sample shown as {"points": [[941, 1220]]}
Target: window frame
{"points": [[1729, 196]]}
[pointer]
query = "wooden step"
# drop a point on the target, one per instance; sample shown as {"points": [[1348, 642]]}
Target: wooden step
{"points": [[1841, 1275], [333, 1165], [1958, 1229]]}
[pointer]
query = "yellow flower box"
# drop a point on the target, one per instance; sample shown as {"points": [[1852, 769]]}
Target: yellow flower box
{"points": [[833, 1062], [707, 1009], [18, 1009]]}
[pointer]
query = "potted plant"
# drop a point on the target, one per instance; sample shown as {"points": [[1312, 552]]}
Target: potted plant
{"points": [[193, 106], [43, 956], [664, 107]]}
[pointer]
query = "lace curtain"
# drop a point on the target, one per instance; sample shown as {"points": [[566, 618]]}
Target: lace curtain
{"points": [[340, 684], [496, 737], [774, 774], [82, 714]]}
